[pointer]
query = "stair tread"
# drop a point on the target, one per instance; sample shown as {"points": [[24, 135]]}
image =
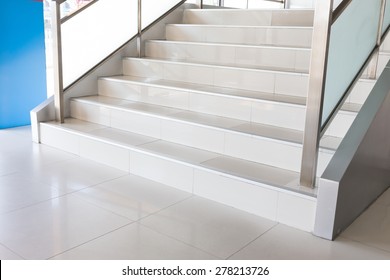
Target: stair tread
{"points": [[177, 61], [229, 166], [229, 44], [231, 65], [233, 125], [214, 90], [242, 26]]}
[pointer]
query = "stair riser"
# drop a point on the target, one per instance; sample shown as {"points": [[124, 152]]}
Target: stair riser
{"points": [[249, 17], [297, 60], [272, 203], [271, 36], [257, 111], [246, 79], [258, 149]]}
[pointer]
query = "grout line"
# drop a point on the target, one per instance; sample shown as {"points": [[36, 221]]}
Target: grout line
{"points": [[253, 241], [12, 251]]}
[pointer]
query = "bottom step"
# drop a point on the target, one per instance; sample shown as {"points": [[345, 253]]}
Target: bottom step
{"points": [[262, 190]]}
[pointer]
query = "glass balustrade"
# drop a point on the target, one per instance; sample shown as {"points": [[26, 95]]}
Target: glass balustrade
{"points": [[353, 37]]}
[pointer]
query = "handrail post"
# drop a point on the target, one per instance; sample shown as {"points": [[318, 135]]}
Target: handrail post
{"points": [[139, 36], [315, 97], [199, 3], [373, 66], [57, 60]]}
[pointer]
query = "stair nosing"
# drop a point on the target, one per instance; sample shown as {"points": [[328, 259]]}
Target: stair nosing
{"points": [[242, 26], [230, 45]]}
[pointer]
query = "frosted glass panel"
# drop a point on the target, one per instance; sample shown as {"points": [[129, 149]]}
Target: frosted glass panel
{"points": [[386, 21], [71, 6], [153, 9], [95, 33], [353, 37]]}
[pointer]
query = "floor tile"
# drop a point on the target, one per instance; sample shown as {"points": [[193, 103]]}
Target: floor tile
{"points": [[286, 243], [134, 242], [384, 199], [75, 174], [18, 191], [372, 227], [7, 254], [212, 227], [49, 228], [132, 197]]}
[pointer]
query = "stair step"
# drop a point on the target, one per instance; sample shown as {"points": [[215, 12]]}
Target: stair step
{"points": [[230, 34], [263, 190], [263, 17], [255, 142], [268, 81], [280, 110], [257, 57]]}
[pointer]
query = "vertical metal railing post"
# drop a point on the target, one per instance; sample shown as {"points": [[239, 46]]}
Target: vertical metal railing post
{"points": [[139, 32], [221, 3], [372, 68], [57, 60], [286, 4], [315, 98], [199, 3]]}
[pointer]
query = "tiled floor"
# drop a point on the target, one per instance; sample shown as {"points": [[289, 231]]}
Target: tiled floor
{"points": [[54, 205]]}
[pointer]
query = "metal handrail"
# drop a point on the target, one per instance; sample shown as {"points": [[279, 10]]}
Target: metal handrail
{"points": [[75, 13], [313, 127], [57, 50]]}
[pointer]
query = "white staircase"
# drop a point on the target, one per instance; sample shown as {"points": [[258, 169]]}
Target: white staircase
{"points": [[217, 109]]}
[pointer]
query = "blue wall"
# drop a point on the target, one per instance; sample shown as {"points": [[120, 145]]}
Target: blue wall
{"points": [[22, 61]]}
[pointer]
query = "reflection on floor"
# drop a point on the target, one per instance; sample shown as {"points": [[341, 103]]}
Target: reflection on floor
{"points": [[54, 205]]}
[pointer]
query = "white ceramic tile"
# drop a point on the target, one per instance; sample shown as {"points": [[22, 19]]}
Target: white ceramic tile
{"points": [[384, 199], [230, 34], [324, 157], [341, 124], [132, 197], [361, 90], [302, 60], [58, 138], [253, 199], [143, 68], [179, 152], [251, 170], [136, 123], [175, 32], [192, 135], [105, 153], [74, 174], [292, 17], [122, 137], [244, 79], [171, 173], [279, 114], [217, 229], [90, 112], [163, 49], [49, 228], [277, 58], [286, 243], [292, 37], [119, 89], [291, 84], [7, 254], [188, 73], [221, 106], [372, 227], [18, 190], [263, 151], [134, 242], [296, 211]]}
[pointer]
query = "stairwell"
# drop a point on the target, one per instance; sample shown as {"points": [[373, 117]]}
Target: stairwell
{"points": [[217, 109]]}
